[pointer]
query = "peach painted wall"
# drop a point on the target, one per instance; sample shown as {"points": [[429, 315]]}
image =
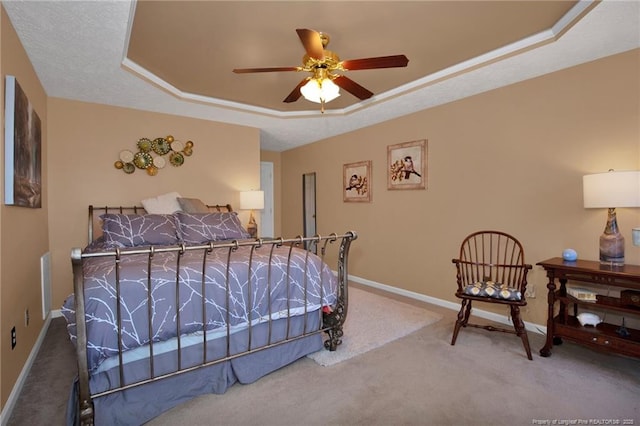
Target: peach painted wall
{"points": [[509, 159], [24, 233], [87, 139]]}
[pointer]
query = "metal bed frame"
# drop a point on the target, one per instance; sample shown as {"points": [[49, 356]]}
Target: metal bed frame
{"points": [[331, 324]]}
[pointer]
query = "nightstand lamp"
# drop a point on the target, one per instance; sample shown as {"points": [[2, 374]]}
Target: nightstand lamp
{"points": [[610, 190], [252, 200]]}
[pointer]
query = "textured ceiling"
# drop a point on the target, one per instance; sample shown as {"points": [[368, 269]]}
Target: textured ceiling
{"points": [[176, 57]]}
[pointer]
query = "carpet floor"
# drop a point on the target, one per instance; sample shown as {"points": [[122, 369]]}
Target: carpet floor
{"points": [[419, 379]]}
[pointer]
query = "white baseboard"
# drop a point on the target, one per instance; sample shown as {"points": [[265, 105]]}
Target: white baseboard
{"points": [[17, 388], [492, 316]]}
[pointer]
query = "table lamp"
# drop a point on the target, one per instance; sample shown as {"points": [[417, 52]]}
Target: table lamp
{"points": [[610, 190], [252, 200]]}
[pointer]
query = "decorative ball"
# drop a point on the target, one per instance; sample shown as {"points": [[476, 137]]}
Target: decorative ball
{"points": [[569, 255], [169, 138], [129, 168], [118, 164], [189, 144]]}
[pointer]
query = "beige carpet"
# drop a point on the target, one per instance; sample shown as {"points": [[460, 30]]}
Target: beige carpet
{"points": [[373, 321], [485, 379]]}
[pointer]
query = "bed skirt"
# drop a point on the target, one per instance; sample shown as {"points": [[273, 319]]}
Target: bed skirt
{"points": [[133, 406]]}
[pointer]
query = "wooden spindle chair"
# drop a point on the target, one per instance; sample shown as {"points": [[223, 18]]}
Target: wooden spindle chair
{"points": [[491, 269]]}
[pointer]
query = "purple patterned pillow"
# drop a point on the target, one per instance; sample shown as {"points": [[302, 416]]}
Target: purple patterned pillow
{"points": [[122, 230], [198, 228]]}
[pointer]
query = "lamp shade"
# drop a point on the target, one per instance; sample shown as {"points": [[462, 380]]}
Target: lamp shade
{"points": [[611, 189], [320, 90], [252, 200]]}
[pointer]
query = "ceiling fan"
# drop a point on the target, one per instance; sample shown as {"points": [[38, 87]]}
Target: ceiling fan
{"points": [[323, 84]]}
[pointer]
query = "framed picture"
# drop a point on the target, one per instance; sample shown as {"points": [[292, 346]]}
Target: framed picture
{"points": [[23, 151], [407, 165], [356, 182]]}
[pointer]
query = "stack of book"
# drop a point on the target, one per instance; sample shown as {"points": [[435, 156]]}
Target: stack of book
{"points": [[582, 294]]}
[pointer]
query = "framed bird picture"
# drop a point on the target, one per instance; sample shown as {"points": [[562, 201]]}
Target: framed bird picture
{"points": [[407, 165], [356, 182]]}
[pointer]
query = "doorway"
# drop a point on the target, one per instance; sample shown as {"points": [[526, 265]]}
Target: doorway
{"points": [[309, 204], [266, 185]]}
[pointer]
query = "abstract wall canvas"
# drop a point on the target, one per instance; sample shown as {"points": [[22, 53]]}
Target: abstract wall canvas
{"points": [[23, 149]]}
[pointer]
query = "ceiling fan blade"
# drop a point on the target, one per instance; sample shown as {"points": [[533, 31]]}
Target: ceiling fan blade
{"points": [[272, 69], [352, 87], [312, 43], [295, 93], [379, 62]]}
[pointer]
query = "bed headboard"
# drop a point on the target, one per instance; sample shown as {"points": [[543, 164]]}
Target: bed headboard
{"points": [[95, 224]]}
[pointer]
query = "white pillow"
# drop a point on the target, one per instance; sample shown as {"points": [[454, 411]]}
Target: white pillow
{"points": [[162, 204]]}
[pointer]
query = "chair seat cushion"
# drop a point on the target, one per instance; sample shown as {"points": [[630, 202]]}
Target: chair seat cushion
{"points": [[492, 289]]}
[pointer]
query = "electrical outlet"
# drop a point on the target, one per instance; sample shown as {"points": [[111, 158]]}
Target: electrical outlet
{"points": [[26, 317], [531, 291], [13, 338]]}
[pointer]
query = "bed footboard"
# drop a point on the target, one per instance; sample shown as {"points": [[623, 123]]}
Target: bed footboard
{"points": [[277, 280]]}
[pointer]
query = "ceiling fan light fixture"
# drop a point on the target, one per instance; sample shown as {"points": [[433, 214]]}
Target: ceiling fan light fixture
{"points": [[320, 90], [321, 62]]}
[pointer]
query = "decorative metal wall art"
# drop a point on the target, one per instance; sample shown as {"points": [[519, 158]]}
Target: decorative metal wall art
{"points": [[153, 155], [356, 180], [407, 165]]}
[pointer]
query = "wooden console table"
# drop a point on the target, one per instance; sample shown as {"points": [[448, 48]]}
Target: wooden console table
{"points": [[604, 336]]}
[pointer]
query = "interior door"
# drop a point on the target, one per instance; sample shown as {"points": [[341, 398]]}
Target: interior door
{"points": [[309, 203], [267, 214]]}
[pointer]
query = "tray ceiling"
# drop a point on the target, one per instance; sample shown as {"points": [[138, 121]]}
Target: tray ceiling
{"points": [[193, 46]]}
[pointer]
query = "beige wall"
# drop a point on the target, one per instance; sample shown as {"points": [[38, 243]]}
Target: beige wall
{"points": [[510, 159], [24, 235], [87, 139]]}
